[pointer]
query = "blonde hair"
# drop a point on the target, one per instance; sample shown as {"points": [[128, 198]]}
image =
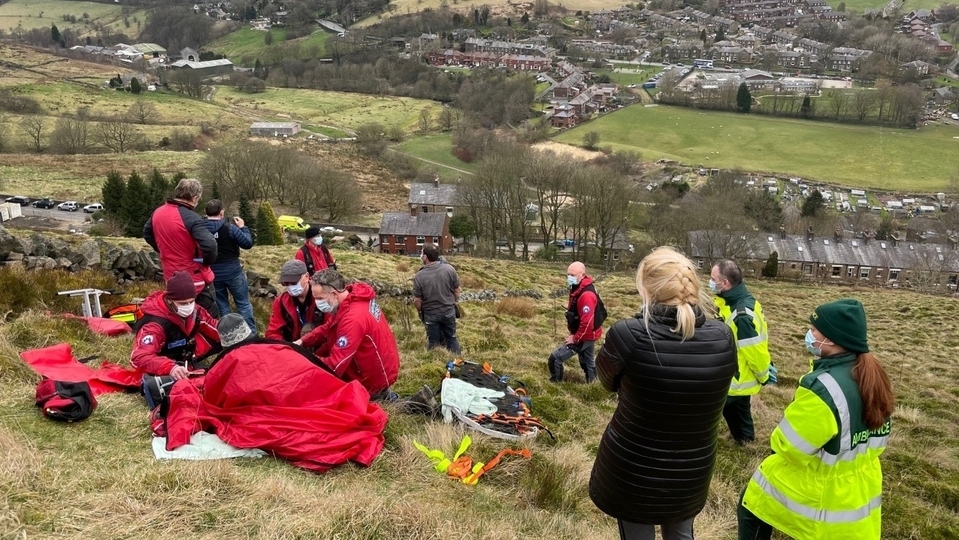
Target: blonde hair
{"points": [[667, 277]]}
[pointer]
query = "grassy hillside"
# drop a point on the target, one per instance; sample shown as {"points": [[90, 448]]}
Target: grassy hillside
{"points": [[893, 159], [244, 46], [437, 150], [30, 14], [338, 109], [107, 484]]}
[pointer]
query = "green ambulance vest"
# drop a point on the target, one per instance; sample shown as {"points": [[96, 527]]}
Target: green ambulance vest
{"points": [[824, 480], [753, 352]]}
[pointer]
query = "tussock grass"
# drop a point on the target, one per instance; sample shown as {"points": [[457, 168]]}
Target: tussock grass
{"points": [[516, 306], [106, 483]]}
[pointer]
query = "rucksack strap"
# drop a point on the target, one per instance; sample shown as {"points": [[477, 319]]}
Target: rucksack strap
{"points": [[308, 259]]}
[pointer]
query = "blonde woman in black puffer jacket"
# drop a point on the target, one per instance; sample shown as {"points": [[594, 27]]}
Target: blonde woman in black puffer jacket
{"points": [[671, 365]]}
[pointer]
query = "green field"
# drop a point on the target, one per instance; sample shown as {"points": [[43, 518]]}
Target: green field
{"points": [[437, 148], [244, 46], [340, 109], [883, 158], [30, 14], [634, 75], [862, 5]]}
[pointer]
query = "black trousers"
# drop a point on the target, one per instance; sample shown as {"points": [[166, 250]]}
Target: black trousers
{"points": [[739, 418], [207, 300], [750, 526]]}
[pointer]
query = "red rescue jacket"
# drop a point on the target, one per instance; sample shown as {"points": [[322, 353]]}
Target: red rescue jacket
{"points": [[183, 240], [584, 303], [152, 340], [285, 323], [320, 256], [357, 342]]}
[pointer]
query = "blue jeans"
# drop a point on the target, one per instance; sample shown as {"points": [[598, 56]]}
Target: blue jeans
{"points": [[441, 331], [240, 290]]}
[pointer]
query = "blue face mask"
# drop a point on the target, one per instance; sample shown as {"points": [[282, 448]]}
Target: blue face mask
{"points": [[811, 344], [295, 290], [572, 280], [318, 240], [324, 306], [713, 287]]}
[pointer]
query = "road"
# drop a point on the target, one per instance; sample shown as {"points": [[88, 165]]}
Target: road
{"points": [[75, 217]]}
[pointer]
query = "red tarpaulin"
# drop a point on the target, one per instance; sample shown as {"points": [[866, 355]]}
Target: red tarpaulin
{"points": [[57, 362], [270, 396]]}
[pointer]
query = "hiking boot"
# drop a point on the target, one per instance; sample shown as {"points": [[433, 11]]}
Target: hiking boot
{"points": [[422, 402]]}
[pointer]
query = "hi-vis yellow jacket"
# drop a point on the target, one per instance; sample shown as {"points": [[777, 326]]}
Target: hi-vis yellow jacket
{"points": [[744, 316], [824, 481]]}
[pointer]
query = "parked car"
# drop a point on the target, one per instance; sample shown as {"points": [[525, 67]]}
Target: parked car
{"points": [[18, 199], [68, 206], [955, 116], [91, 208], [45, 202]]}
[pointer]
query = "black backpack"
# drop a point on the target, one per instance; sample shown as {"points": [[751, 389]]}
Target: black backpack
{"points": [[572, 316], [308, 259]]}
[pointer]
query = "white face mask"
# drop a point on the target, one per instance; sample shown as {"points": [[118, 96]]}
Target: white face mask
{"points": [[187, 310], [295, 290], [318, 240], [324, 306]]}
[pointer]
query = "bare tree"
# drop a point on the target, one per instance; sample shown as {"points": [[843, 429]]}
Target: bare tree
{"points": [[302, 189], [238, 168], [118, 135], [549, 178], [341, 196], [838, 102], [188, 82], [608, 198], [864, 101], [143, 112], [31, 127], [447, 118], [425, 120], [70, 136]]}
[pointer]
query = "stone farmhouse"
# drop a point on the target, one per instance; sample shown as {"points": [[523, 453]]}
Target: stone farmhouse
{"points": [[433, 197]]}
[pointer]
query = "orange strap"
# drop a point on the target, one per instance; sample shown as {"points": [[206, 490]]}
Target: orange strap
{"points": [[470, 480]]}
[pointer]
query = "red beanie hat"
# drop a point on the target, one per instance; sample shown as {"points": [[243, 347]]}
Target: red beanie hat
{"points": [[180, 287]]}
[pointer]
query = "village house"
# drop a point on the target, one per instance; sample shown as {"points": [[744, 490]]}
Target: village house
{"points": [[921, 68], [793, 59], [405, 233], [837, 259], [432, 197]]}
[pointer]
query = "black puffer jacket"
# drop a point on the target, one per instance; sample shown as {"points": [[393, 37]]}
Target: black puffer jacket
{"points": [[656, 458]]}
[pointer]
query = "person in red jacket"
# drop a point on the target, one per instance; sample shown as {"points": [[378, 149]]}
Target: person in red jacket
{"points": [[314, 254], [184, 242], [356, 342], [294, 311], [581, 320], [173, 331]]}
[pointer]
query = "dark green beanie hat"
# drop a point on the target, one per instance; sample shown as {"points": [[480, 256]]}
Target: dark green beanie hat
{"points": [[844, 323]]}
